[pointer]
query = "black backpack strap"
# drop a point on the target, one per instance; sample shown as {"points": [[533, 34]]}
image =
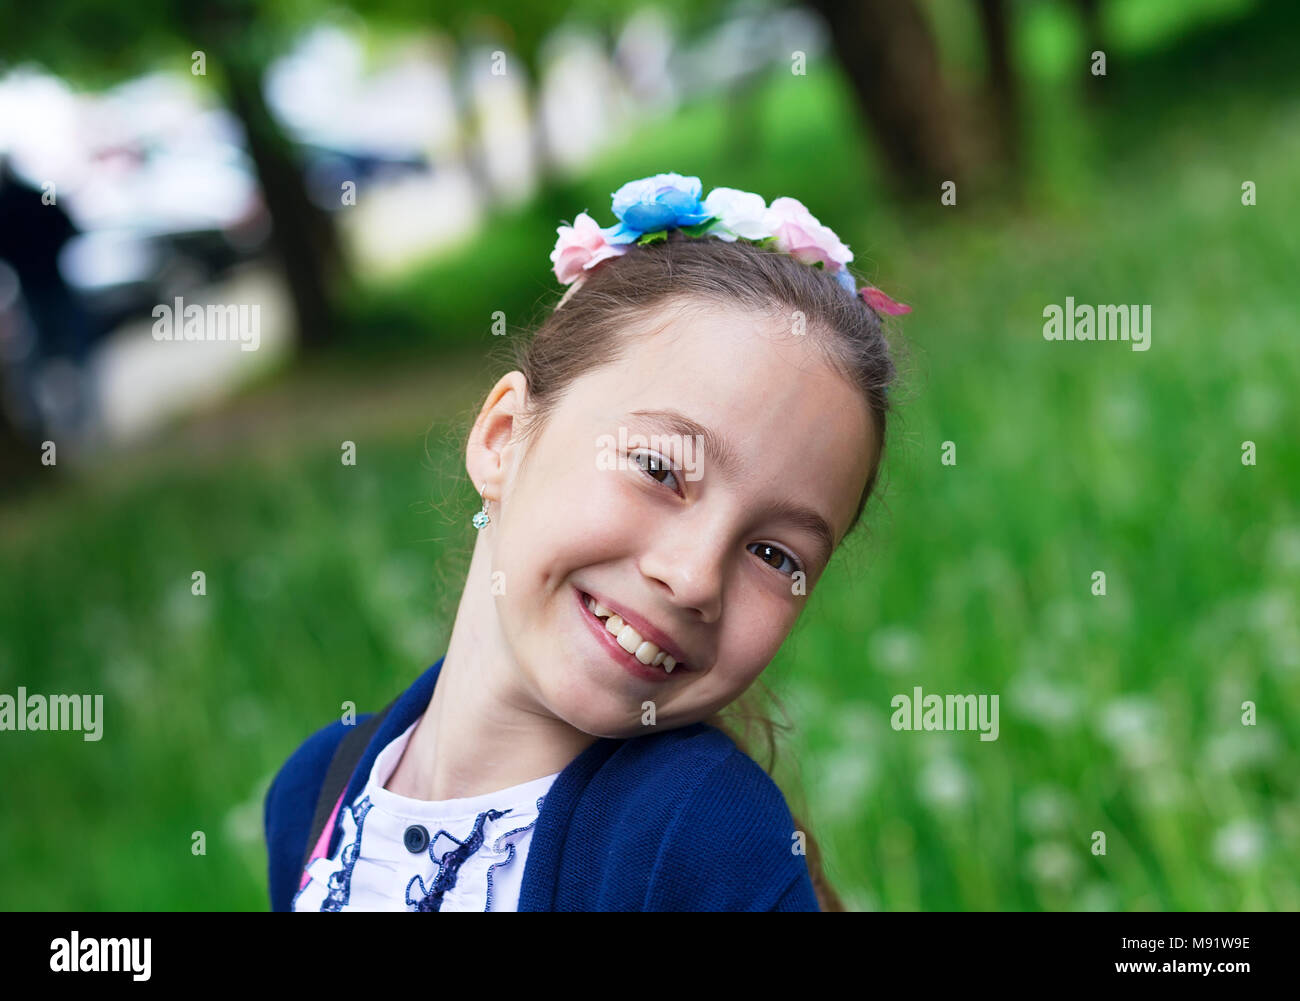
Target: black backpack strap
{"points": [[342, 764]]}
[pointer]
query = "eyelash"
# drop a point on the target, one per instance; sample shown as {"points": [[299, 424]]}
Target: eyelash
{"points": [[665, 467]]}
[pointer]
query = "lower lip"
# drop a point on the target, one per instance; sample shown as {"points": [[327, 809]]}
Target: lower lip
{"points": [[630, 664]]}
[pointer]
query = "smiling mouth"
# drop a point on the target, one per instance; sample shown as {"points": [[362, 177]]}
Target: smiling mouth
{"points": [[648, 655]]}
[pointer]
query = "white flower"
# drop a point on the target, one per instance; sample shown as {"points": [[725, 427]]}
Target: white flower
{"points": [[1045, 808], [944, 782], [739, 213], [846, 779], [894, 650], [1240, 845], [1053, 863]]}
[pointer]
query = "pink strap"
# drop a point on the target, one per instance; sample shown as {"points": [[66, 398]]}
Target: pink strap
{"points": [[322, 843]]}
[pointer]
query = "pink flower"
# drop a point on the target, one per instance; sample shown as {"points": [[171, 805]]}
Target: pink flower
{"points": [[799, 234], [580, 248], [881, 303]]}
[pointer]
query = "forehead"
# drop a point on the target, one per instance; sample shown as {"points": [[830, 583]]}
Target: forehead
{"points": [[798, 428]]}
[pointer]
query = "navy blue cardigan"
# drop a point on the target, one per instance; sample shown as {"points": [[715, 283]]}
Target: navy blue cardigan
{"points": [[678, 820]]}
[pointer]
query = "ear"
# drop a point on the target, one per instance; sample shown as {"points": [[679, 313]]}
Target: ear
{"points": [[490, 454]]}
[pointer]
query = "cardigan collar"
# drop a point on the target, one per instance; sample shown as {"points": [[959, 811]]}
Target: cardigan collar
{"points": [[552, 825]]}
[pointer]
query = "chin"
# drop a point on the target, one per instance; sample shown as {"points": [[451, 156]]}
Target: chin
{"points": [[600, 718], [597, 711]]}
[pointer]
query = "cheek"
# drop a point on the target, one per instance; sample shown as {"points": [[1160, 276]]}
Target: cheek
{"points": [[593, 514], [550, 514], [748, 646], [755, 641], [571, 522]]}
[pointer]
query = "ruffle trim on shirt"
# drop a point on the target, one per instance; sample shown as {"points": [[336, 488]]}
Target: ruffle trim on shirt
{"points": [[510, 851], [449, 863], [447, 860], [340, 883]]}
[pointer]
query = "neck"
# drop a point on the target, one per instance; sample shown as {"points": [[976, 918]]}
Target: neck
{"points": [[482, 731]]}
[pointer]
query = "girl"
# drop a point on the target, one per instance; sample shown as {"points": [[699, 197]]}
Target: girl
{"points": [[664, 477]]}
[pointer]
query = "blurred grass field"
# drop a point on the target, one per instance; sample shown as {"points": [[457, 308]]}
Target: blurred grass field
{"points": [[1119, 714]]}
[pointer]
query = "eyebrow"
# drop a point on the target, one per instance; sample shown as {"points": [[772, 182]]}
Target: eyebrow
{"points": [[721, 452]]}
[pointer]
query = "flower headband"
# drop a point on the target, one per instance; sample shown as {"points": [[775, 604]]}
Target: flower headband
{"points": [[648, 208]]}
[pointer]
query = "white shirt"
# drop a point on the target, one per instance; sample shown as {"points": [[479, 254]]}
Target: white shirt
{"points": [[455, 871]]}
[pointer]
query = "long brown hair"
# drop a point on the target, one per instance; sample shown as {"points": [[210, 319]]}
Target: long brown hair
{"points": [[587, 330]]}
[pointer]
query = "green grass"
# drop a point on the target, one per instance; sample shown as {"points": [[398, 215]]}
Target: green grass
{"points": [[1118, 714]]}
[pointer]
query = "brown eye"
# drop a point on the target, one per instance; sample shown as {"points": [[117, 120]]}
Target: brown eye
{"points": [[654, 464], [766, 551]]}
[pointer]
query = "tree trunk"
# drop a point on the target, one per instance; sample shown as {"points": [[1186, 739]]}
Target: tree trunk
{"points": [[232, 34], [303, 234], [1003, 88], [20, 459], [473, 154], [542, 149], [892, 61], [1090, 12]]}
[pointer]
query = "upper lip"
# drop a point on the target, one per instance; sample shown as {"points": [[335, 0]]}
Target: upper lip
{"points": [[646, 630]]}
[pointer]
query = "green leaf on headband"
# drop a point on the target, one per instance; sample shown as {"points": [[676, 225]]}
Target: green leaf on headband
{"points": [[699, 228], [764, 241], [819, 264], [655, 237]]}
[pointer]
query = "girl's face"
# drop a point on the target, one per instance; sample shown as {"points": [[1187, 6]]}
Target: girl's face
{"points": [[702, 557]]}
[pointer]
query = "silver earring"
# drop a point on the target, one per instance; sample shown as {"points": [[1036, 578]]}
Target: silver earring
{"points": [[481, 519]]}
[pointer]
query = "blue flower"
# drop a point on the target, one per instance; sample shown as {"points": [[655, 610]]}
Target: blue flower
{"points": [[650, 204], [619, 234]]}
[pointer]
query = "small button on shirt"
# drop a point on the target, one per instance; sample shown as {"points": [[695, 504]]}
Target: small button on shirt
{"points": [[400, 854]]}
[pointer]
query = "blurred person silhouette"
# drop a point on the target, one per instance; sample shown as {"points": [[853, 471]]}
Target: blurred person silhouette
{"points": [[49, 382]]}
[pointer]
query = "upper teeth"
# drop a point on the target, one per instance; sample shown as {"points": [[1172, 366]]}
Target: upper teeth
{"points": [[629, 639]]}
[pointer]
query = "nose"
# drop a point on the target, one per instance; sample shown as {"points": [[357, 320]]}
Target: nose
{"points": [[689, 563]]}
